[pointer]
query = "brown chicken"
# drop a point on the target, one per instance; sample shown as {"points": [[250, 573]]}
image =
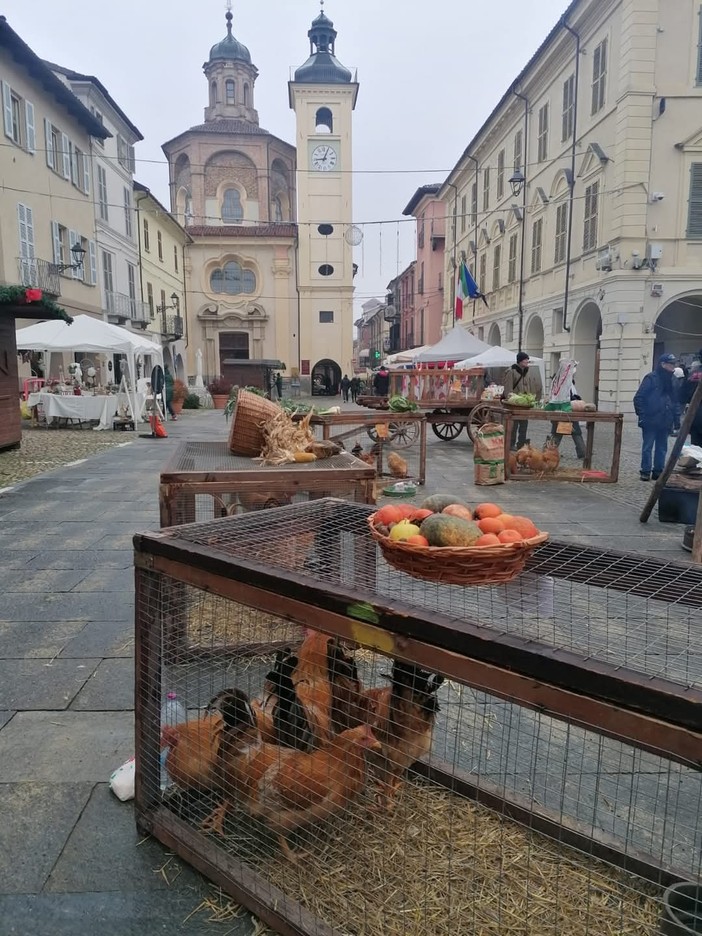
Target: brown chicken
{"points": [[287, 788], [404, 721], [397, 465], [193, 749], [550, 456]]}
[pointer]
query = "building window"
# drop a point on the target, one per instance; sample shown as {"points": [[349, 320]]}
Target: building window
{"points": [[482, 272], [102, 194], [232, 211], [561, 233], [277, 209], [162, 307], [420, 283], [557, 323], [125, 154], [591, 210], [108, 280], [463, 214], [61, 247], [500, 174], [537, 230], [98, 116], [568, 122], [230, 90], [26, 231], [247, 96], [474, 204], [326, 269], [58, 153], [486, 189], [599, 76], [518, 146], [326, 318], [147, 245], [512, 260], [323, 121], [496, 263], [159, 245], [131, 286], [694, 204], [509, 330], [420, 233], [213, 93], [542, 138], [175, 257], [150, 299], [19, 118], [232, 280], [128, 227], [326, 229]]}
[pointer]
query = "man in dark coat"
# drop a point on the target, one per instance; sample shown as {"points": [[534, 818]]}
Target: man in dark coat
{"points": [[655, 405], [519, 379], [687, 391]]}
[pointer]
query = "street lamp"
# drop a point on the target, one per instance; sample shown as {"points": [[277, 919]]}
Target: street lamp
{"points": [[517, 182], [78, 254], [175, 304]]}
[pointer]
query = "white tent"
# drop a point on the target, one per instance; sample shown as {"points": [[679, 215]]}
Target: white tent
{"points": [[90, 334], [456, 345], [499, 359], [404, 357]]}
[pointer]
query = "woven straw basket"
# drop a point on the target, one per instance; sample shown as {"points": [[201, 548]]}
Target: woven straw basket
{"points": [[250, 413], [458, 565]]}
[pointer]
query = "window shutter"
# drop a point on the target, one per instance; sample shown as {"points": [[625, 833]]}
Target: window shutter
{"points": [[50, 155], [26, 231], [56, 241], [29, 123], [92, 252], [73, 238], [65, 150], [86, 173], [73, 156], [698, 75], [694, 212], [7, 109]]}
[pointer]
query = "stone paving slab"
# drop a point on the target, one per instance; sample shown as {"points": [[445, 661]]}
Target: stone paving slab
{"points": [[51, 581], [109, 689], [74, 606], [35, 821], [65, 747], [101, 639], [49, 558], [106, 580], [15, 558], [40, 685], [45, 639], [5, 717]]}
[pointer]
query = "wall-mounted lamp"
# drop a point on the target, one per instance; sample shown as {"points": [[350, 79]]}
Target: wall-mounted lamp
{"points": [[78, 254], [175, 304], [517, 182]]}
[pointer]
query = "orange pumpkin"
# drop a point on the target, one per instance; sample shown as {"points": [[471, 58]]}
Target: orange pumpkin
{"points": [[417, 540], [510, 536], [491, 525], [487, 510], [458, 510], [522, 525], [487, 539], [388, 514]]}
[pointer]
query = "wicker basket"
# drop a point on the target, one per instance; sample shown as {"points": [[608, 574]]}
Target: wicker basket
{"points": [[458, 565], [250, 413]]}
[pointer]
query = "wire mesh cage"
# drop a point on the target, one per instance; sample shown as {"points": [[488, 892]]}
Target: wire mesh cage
{"points": [[554, 747], [205, 481]]}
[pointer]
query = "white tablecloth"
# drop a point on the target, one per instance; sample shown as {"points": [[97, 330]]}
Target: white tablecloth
{"points": [[102, 409]]}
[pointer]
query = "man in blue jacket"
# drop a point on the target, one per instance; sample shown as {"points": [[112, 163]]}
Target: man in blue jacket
{"points": [[655, 405]]}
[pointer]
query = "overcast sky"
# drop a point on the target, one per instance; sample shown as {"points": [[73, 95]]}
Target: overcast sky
{"points": [[430, 72]]}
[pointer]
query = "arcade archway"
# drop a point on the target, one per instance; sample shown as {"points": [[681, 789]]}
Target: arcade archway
{"points": [[534, 337], [494, 336], [678, 329], [326, 377], [587, 330]]}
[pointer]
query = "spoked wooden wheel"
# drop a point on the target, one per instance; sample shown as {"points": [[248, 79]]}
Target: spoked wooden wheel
{"points": [[479, 415], [400, 434], [447, 431]]}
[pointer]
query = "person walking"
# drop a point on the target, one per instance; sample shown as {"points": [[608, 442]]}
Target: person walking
{"points": [[576, 430], [279, 385], [345, 384], [355, 388], [655, 406], [519, 379], [168, 392]]}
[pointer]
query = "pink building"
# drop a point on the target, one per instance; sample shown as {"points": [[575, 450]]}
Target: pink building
{"points": [[427, 314]]}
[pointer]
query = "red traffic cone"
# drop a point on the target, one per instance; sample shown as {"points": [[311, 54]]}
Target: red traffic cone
{"points": [[158, 430]]}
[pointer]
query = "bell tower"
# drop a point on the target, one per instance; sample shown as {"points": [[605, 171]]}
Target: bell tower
{"points": [[323, 95], [231, 76]]}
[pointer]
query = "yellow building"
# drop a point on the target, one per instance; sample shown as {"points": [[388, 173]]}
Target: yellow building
{"points": [[162, 266], [47, 220]]}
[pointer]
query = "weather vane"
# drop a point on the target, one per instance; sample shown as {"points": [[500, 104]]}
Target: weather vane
{"points": [[229, 6], [321, 4]]}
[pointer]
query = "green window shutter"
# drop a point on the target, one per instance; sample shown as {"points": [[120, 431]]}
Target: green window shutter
{"points": [[694, 204]]}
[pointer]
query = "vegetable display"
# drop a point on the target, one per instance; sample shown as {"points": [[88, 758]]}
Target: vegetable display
{"points": [[521, 399], [400, 404]]}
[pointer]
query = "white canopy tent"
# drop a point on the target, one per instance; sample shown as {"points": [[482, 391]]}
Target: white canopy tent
{"points": [[456, 345], [496, 358], [90, 334], [404, 357]]}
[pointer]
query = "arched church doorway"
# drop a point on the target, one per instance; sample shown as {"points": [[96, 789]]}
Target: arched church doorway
{"points": [[587, 330], [326, 377], [678, 329]]}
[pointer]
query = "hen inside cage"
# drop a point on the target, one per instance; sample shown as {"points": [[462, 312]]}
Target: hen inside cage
{"points": [[374, 792]]}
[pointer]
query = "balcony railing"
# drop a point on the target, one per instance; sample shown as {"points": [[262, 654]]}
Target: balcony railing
{"points": [[123, 307], [39, 274], [171, 326]]}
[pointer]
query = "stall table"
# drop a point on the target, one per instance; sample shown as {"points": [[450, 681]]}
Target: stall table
{"points": [[84, 408], [508, 416]]}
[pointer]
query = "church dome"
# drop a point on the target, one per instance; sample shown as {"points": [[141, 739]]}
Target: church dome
{"points": [[230, 49], [322, 67]]}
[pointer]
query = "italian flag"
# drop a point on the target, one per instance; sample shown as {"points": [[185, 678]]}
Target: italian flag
{"points": [[462, 289]]}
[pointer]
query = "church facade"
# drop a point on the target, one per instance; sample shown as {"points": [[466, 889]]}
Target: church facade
{"points": [[269, 272]]}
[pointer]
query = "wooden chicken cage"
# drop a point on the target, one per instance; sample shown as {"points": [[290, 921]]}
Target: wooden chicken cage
{"points": [[562, 790]]}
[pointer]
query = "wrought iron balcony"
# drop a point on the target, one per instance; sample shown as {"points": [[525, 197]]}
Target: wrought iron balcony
{"points": [[171, 326], [124, 308], [39, 274]]}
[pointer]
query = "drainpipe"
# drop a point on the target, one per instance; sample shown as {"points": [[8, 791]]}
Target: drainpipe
{"points": [[524, 214], [475, 227], [455, 258], [571, 181]]}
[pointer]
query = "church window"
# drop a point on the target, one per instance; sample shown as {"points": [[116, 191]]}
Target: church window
{"points": [[277, 209], [213, 93], [230, 88], [232, 280], [232, 211], [246, 96], [326, 269], [324, 122], [326, 229]]}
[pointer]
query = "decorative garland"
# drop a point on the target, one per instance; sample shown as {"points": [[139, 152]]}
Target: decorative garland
{"points": [[20, 295]]}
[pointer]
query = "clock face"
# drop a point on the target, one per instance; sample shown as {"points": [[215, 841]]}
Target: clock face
{"points": [[324, 158]]}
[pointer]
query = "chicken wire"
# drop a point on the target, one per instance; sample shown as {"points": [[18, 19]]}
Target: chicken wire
{"points": [[569, 463], [451, 857]]}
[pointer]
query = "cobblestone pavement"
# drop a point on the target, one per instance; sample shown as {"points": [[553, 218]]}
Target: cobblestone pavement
{"points": [[45, 449]]}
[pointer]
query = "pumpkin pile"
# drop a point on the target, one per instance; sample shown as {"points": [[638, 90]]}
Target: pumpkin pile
{"points": [[444, 520]]}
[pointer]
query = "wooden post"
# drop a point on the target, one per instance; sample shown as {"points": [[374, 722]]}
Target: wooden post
{"points": [[675, 453], [616, 454], [697, 541]]}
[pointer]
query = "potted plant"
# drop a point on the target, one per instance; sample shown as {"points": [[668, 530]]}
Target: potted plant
{"points": [[180, 392], [219, 391]]}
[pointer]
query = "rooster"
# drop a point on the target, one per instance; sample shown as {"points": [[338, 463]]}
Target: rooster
{"points": [[404, 721], [551, 457], [368, 457]]}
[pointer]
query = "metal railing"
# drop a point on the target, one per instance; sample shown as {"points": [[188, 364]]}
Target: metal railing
{"points": [[39, 274], [122, 306], [171, 326]]}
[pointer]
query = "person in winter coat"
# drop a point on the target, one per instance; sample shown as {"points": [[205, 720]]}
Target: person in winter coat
{"points": [[519, 379], [345, 384], [655, 405], [577, 433], [355, 387], [678, 390], [381, 382], [686, 393], [168, 392]]}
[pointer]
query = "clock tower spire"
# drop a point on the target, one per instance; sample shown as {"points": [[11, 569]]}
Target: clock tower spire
{"points": [[323, 95]]}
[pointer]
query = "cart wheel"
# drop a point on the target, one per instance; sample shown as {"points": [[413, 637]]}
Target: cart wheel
{"points": [[447, 432], [403, 434], [479, 415]]}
